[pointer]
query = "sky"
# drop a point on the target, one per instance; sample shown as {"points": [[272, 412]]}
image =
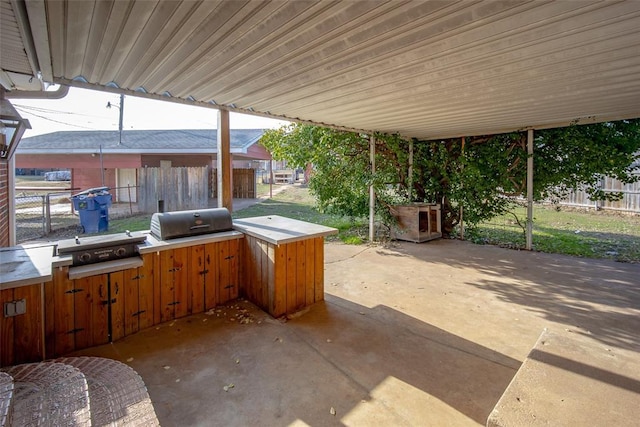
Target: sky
{"points": [[84, 109]]}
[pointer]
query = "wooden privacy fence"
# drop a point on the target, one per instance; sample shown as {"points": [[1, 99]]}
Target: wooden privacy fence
{"points": [[630, 201], [177, 188], [244, 183]]}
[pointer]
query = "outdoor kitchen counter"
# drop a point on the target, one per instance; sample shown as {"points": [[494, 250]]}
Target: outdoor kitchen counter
{"points": [[280, 230], [283, 263], [53, 307], [25, 265], [33, 264], [150, 245]]}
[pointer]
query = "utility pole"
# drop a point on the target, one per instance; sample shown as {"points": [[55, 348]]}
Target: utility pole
{"points": [[121, 117], [121, 108]]}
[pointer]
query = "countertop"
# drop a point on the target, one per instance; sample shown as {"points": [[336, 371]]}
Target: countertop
{"points": [[278, 230], [25, 265], [32, 264]]}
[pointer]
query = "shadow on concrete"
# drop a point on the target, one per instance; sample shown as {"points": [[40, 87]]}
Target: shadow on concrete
{"points": [[375, 347], [373, 366], [600, 298], [602, 375]]}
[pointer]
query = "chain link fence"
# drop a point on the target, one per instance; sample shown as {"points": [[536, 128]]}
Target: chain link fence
{"points": [[38, 215]]}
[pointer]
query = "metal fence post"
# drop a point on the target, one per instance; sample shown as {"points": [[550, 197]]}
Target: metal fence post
{"points": [[47, 213]]}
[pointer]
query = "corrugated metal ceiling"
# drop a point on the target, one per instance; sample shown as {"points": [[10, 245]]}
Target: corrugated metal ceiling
{"points": [[425, 69]]}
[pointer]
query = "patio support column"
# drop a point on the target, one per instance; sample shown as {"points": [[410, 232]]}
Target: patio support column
{"points": [[271, 178], [11, 190], [372, 192], [410, 172], [529, 236], [223, 162], [461, 207]]}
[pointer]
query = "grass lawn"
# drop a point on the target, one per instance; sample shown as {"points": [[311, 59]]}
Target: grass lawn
{"points": [[570, 231], [294, 202], [38, 181], [590, 234]]}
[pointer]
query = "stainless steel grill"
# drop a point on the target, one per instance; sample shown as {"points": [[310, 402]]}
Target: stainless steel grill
{"points": [[172, 225], [94, 249]]}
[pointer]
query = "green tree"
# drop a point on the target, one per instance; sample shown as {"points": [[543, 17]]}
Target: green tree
{"points": [[481, 175]]}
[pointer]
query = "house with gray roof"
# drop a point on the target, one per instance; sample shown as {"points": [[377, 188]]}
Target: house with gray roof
{"points": [[111, 158]]}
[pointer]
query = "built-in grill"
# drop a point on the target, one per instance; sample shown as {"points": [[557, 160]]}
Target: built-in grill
{"points": [[94, 249], [172, 225]]}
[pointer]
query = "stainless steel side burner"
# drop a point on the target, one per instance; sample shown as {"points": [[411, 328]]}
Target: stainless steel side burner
{"points": [[94, 249]]}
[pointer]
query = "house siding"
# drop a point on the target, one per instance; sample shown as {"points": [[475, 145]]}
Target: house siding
{"points": [[85, 178], [258, 152], [177, 161]]}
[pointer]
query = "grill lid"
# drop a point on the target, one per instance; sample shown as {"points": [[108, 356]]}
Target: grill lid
{"points": [[172, 225]]}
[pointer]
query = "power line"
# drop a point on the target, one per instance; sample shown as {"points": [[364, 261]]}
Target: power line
{"points": [[29, 108], [52, 120]]}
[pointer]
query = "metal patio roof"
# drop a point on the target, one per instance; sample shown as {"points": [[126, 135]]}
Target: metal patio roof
{"points": [[424, 69]]}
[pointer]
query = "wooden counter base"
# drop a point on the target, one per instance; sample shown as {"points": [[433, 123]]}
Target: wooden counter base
{"points": [[282, 279]]}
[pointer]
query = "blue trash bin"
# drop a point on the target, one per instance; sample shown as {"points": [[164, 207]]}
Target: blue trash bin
{"points": [[93, 207]]}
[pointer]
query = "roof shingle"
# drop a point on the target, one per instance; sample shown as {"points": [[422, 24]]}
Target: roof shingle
{"points": [[135, 141]]}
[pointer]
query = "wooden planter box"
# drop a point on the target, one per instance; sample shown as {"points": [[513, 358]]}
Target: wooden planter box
{"points": [[417, 222]]}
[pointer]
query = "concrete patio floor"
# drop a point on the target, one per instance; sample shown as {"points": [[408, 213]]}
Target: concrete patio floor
{"points": [[412, 334]]}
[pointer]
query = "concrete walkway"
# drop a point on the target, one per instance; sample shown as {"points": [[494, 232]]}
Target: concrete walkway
{"points": [[415, 334]]}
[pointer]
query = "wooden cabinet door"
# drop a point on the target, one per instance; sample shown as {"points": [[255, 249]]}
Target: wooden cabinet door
{"points": [[197, 274], [146, 291], [130, 293], [95, 310], [167, 300], [137, 297], [91, 311], [116, 303], [210, 278], [181, 280], [226, 276], [233, 258], [59, 314], [173, 285], [21, 336]]}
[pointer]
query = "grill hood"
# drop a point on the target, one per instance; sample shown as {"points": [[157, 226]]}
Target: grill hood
{"points": [[172, 225]]}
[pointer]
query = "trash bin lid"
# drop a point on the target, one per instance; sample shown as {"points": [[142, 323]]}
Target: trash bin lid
{"points": [[92, 191]]}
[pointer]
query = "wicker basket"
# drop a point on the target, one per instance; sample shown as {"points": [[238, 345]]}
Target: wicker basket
{"points": [[48, 394], [117, 394], [6, 392]]}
